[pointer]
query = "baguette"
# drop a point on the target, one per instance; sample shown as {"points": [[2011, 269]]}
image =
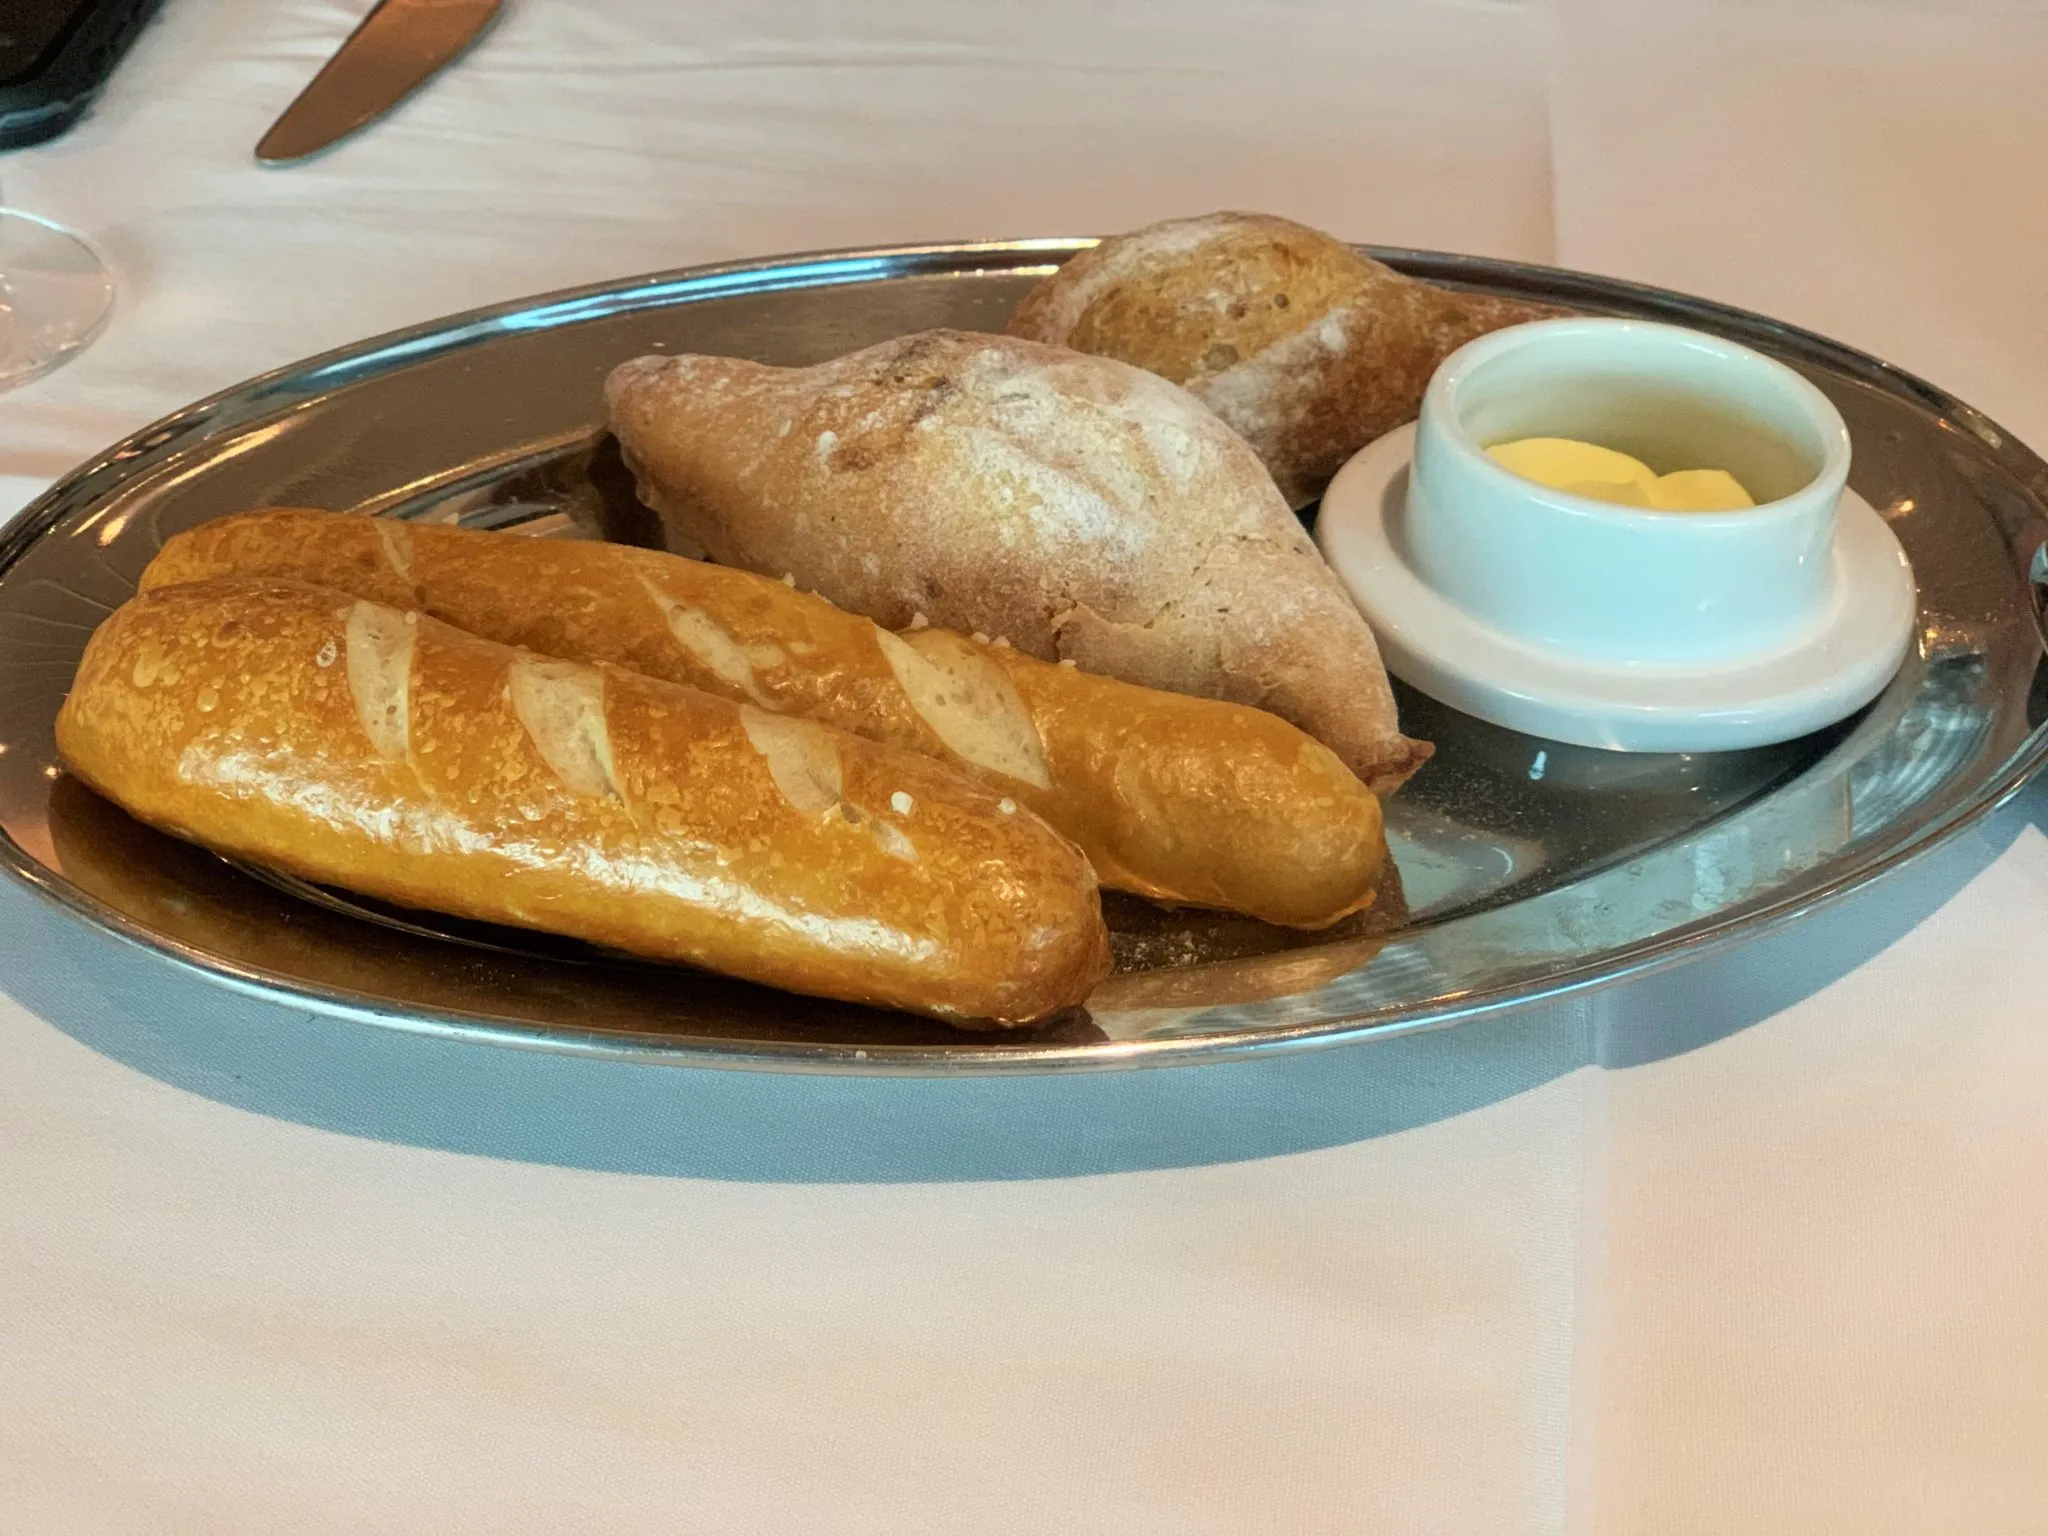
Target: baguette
{"points": [[1182, 800], [356, 745]]}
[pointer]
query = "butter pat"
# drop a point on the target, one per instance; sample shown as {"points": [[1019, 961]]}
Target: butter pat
{"points": [[1602, 474], [1564, 464], [1698, 490]]}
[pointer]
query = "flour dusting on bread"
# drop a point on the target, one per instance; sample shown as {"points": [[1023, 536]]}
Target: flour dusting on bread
{"points": [[1117, 261]]}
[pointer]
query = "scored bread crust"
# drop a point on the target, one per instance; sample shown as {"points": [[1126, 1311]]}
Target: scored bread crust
{"points": [[358, 745], [1185, 800], [1306, 348], [1075, 506]]}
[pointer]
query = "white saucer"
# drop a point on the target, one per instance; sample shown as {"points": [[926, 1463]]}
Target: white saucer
{"points": [[1837, 665]]}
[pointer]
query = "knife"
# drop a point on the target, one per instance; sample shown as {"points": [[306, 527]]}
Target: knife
{"points": [[396, 49]]}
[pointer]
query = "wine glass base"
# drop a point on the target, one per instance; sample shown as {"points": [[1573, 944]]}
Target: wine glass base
{"points": [[55, 296]]}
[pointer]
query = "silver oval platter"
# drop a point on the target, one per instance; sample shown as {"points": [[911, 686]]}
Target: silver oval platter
{"points": [[1529, 868]]}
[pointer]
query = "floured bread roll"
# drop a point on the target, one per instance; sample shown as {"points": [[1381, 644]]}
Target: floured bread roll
{"points": [[1076, 507], [1307, 348]]}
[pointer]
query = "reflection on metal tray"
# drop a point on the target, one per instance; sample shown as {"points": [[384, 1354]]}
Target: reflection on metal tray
{"points": [[1528, 867]]}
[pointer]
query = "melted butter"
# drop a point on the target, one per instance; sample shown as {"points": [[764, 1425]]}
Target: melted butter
{"points": [[1602, 474]]}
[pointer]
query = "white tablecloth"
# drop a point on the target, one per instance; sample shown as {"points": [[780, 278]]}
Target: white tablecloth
{"points": [[1756, 1245]]}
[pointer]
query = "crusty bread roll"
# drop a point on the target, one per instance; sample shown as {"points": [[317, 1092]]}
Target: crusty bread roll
{"points": [[356, 745], [1184, 800], [1076, 506], [1308, 349]]}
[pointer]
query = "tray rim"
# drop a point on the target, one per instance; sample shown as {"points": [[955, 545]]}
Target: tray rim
{"points": [[832, 268]]}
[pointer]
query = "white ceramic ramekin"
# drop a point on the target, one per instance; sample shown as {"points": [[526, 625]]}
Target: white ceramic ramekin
{"points": [[1618, 582], [1580, 621]]}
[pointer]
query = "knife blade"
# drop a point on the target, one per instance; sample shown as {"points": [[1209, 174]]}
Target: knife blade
{"points": [[395, 50]]}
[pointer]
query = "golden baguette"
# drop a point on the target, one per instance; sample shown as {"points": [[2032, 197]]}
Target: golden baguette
{"points": [[357, 745], [1184, 800]]}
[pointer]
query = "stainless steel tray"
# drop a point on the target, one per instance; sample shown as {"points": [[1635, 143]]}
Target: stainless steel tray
{"points": [[1531, 868]]}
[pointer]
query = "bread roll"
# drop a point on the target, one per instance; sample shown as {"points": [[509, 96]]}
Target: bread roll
{"points": [[1183, 800], [356, 745], [1079, 507], [1308, 349]]}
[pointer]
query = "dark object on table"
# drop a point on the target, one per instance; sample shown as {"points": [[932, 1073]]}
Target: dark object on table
{"points": [[54, 57]]}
